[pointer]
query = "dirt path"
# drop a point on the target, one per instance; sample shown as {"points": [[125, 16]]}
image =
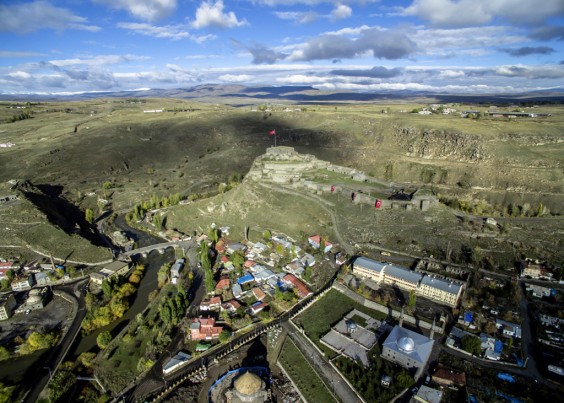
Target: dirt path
{"points": [[324, 204]]}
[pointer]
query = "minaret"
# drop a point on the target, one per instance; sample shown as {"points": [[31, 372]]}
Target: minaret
{"points": [[401, 317], [432, 329]]}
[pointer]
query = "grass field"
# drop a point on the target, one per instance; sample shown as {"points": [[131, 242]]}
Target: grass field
{"points": [[327, 311], [303, 375]]}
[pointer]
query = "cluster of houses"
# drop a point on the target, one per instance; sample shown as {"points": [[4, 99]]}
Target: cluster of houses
{"points": [[535, 269], [491, 345], [29, 282], [251, 289], [437, 109], [443, 290]]}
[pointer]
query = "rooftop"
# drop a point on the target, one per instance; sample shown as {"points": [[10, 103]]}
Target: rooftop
{"points": [[369, 264], [403, 274], [407, 342], [441, 284]]}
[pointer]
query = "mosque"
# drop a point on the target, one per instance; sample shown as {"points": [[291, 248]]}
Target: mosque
{"points": [[241, 385]]}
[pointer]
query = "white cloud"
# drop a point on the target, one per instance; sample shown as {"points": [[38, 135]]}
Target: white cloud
{"points": [[239, 78], [450, 13], [211, 15], [150, 10], [174, 32], [273, 3], [299, 17], [25, 18], [24, 75], [19, 54], [341, 11], [451, 74], [100, 60]]}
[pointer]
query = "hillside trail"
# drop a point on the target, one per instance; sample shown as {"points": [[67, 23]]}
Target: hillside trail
{"points": [[324, 204]]}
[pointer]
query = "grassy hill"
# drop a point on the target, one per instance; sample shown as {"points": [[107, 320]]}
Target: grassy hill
{"points": [[191, 147]]}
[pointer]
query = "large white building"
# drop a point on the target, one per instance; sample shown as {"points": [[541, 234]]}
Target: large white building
{"points": [[442, 290], [439, 289], [368, 268]]}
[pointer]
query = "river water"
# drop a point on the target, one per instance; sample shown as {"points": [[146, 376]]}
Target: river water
{"points": [[153, 263]]}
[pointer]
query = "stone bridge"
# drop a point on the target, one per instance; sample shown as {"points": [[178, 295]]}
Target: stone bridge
{"points": [[160, 247]]}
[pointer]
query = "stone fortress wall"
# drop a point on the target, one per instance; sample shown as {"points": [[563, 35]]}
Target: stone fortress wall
{"points": [[284, 165]]}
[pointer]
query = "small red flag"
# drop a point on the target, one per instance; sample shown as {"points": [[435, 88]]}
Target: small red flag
{"points": [[378, 203], [272, 133], [332, 188]]}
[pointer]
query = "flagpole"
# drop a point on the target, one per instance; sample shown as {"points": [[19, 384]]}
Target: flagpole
{"points": [[275, 139]]}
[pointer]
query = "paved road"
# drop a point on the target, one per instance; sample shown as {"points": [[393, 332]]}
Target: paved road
{"points": [[55, 356], [322, 366]]}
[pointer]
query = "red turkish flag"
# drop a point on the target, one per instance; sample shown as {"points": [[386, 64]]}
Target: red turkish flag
{"points": [[272, 133], [332, 188], [378, 203]]}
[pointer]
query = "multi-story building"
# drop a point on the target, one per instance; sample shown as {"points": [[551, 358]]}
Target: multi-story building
{"points": [[368, 268], [7, 306], [438, 289], [445, 291], [401, 277]]}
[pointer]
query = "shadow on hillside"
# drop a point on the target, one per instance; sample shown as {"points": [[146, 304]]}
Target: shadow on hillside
{"points": [[62, 213]]}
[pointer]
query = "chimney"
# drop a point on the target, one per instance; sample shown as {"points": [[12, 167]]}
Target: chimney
{"points": [[401, 317]]}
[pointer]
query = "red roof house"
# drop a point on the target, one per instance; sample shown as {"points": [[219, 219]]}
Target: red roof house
{"points": [[223, 284], [300, 287], [204, 329]]}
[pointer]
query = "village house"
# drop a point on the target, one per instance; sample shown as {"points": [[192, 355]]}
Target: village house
{"points": [[231, 306], [315, 241], [23, 283], [236, 247], [204, 329], [535, 269], [42, 279], [257, 307], [259, 294], [211, 304], [223, 284], [237, 290], [508, 329], [539, 291], [295, 267], [449, 377], [174, 363], [301, 289], [176, 269], [7, 305], [114, 269]]}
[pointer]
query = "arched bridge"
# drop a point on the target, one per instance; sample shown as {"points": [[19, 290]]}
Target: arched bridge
{"points": [[160, 247]]}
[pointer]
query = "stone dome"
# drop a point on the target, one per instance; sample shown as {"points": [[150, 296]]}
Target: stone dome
{"points": [[34, 299], [406, 344], [248, 384]]}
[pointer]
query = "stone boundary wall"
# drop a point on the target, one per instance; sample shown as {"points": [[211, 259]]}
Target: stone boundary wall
{"points": [[388, 311]]}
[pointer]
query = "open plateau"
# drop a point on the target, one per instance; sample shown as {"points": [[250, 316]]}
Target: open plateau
{"points": [[225, 243]]}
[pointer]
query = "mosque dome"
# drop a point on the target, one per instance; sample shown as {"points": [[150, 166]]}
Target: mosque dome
{"points": [[248, 384], [406, 344]]}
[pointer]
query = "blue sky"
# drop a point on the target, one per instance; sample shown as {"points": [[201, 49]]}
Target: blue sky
{"points": [[462, 46]]}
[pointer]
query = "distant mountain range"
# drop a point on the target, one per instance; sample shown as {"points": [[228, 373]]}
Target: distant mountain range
{"points": [[243, 95]]}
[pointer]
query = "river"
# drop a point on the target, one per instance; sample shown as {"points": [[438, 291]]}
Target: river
{"points": [[153, 262]]}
